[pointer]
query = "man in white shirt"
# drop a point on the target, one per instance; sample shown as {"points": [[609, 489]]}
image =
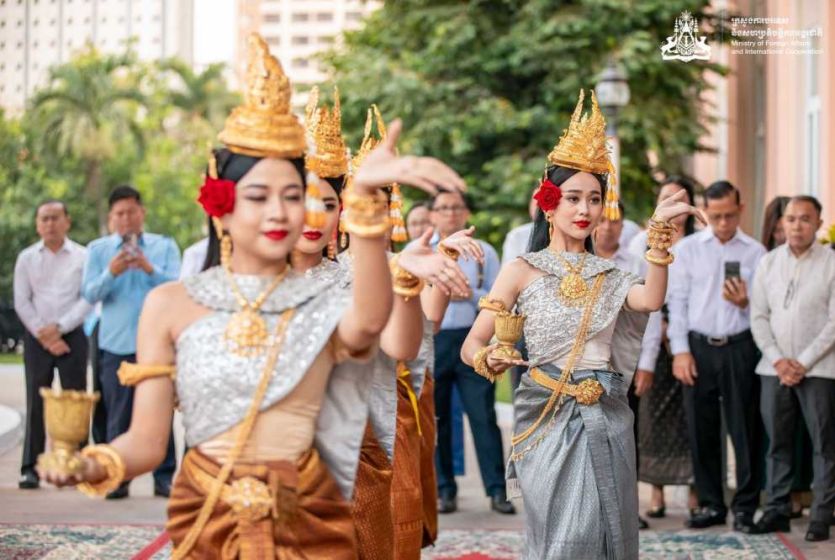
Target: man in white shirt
{"points": [[516, 241], [715, 356], [793, 321], [193, 258], [47, 298]]}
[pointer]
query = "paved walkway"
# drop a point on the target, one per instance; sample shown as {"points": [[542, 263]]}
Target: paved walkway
{"points": [[50, 505]]}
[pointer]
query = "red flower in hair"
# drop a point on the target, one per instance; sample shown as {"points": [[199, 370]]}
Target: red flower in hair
{"points": [[217, 196], [548, 196]]}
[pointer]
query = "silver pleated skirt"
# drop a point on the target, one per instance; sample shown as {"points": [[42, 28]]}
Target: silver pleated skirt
{"points": [[577, 479]]}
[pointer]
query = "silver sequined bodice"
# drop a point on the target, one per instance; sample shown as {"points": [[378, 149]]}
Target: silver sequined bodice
{"points": [[551, 326], [214, 386]]}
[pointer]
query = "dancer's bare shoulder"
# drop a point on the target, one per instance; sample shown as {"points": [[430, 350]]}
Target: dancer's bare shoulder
{"points": [[171, 308]]}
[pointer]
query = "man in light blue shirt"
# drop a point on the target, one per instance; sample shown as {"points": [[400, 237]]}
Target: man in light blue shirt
{"points": [[120, 271], [449, 214]]}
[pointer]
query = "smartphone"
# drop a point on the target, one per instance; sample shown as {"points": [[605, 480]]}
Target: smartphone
{"points": [[732, 270], [130, 244]]}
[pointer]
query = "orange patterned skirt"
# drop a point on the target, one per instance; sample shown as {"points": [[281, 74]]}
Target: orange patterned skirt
{"points": [[406, 493], [428, 481], [372, 501], [302, 512]]}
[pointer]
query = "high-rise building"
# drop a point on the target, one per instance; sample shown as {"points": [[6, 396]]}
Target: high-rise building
{"points": [[36, 34], [298, 30]]}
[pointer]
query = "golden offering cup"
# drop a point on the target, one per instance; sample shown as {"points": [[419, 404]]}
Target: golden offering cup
{"points": [[67, 418], [509, 329]]}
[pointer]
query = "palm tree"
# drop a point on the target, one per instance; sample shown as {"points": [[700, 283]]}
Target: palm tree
{"points": [[200, 95], [88, 111]]}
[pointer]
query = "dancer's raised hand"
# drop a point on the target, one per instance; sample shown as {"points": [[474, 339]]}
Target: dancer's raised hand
{"points": [[383, 166]]}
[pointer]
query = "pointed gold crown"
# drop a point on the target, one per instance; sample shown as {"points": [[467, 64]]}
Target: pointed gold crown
{"points": [[582, 145], [264, 126], [369, 142], [325, 126]]}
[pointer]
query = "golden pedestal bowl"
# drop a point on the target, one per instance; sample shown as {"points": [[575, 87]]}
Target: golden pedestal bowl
{"points": [[509, 330], [67, 418]]}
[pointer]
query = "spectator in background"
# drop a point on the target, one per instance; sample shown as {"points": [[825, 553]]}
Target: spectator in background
{"points": [[194, 257], [633, 326], [47, 298], [628, 232], [670, 186], [417, 220], [121, 269], [715, 356], [663, 450], [773, 233], [450, 212], [516, 241], [793, 320]]}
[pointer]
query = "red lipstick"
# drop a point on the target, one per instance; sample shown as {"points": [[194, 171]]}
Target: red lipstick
{"points": [[582, 224], [276, 234], [313, 235]]}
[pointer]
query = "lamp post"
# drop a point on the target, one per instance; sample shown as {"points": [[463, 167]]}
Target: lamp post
{"points": [[612, 92]]}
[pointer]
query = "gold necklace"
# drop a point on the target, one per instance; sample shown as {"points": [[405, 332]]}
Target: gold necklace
{"points": [[573, 289], [246, 333]]}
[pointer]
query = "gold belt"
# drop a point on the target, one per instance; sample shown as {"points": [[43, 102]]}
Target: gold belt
{"points": [[586, 392], [251, 499]]}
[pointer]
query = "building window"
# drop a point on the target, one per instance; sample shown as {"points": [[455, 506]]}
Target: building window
{"points": [[300, 40], [300, 17], [326, 39], [324, 16], [273, 41], [353, 16], [272, 18], [301, 63]]}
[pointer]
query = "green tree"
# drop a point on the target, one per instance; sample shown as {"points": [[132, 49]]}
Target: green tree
{"points": [[86, 113], [489, 85], [199, 95]]}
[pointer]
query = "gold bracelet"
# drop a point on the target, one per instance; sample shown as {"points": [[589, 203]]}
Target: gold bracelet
{"points": [[660, 234], [482, 368], [448, 251], [494, 305], [660, 261], [404, 283], [110, 460], [366, 215]]}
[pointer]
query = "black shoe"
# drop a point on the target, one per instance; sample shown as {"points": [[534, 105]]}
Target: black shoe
{"points": [[500, 503], [162, 489], [447, 504], [29, 481], [706, 517], [818, 531], [642, 523], [770, 522], [744, 522], [120, 493], [796, 513], [657, 512]]}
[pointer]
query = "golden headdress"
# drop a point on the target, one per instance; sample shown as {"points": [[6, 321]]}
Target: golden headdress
{"points": [[263, 125], [582, 146], [325, 126]]}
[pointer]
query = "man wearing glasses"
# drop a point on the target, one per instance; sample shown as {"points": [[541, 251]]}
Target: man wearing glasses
{"points": [[449, 213], [793, 321], [715, 356]]}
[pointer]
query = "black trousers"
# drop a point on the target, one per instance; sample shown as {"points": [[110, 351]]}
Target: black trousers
{"points": [[99, 428], [478, 396], [39, 366], [726, 383], [118, 400], [812, 402]]}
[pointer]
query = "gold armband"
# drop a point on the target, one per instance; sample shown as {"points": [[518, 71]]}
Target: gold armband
{"points": [[489, 304], [482, 368], [113, 464], [660, 261], [366, 215], [131, 374], [404, 283], [448, 252]]}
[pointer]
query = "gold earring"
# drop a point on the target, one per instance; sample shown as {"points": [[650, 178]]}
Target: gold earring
{"points": [[225, 244], [332, 249]]}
